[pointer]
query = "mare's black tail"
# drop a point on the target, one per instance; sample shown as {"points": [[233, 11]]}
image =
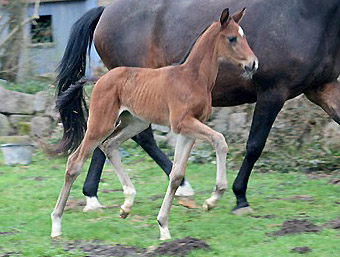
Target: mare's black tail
{"points": [[71, 103]]}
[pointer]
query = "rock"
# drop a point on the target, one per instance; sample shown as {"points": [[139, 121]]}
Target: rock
{"points": [[15, 139], [51, 111], [219, 123], [331, 134], [41, 126], [40, 101], [15, 102], [5, 127], [237, 122]]}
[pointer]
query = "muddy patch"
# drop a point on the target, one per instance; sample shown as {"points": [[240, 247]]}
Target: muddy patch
{"points": [[334, 224], [156, 197], [269, 216], [10, 254], [301, 250], [297, 198], [296, 227], [7, 233], [335, 181], [75, 205], [179, 247], [106, 191]]}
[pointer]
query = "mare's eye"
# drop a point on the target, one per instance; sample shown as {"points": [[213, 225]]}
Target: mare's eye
{"points": [[232, 39]]}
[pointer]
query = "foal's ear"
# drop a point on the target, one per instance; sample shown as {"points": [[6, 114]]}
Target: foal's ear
{"points": [[237, 17], [224, 17]]}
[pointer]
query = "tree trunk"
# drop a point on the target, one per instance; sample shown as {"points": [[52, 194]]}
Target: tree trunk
{"points": [[12, 48]]}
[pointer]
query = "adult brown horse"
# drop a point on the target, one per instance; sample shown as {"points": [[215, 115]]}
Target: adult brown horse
{"points": [[297, 43]]}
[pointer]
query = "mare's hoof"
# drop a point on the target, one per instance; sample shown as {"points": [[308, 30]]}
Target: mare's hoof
{"points": [[243, 211], [92, 204], [188, 202], [124, 213], [185, 190]]}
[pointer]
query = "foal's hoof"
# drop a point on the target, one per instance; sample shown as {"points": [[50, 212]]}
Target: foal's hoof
{"points": [[164, 234], [243, 211], [207, 206], [124, 213], [56, 237]]}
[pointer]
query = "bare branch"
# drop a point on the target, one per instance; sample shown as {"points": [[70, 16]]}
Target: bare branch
{"points": [[16, 29]]}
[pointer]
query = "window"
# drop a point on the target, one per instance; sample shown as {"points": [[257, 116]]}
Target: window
{"points": [[41, 30]]}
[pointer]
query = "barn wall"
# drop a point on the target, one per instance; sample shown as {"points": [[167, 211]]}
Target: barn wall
{"points": [[45, 58]]}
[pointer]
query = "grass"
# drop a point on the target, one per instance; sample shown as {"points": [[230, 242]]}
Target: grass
{"points": [[29, 87], [28, 195]]}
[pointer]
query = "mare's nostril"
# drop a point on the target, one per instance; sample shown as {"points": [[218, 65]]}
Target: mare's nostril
{"points": [[254, 65]]}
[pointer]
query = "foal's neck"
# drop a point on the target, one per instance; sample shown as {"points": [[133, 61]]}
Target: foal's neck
{"points": [[202, 62]]}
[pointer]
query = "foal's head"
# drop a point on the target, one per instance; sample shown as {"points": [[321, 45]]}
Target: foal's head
{"points": [[233, 45]]}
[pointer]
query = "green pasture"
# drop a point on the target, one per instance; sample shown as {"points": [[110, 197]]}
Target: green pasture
{"points": [[28, 195]]}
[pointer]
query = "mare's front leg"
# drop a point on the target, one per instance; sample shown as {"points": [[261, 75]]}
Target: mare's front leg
{"points": [[269, 103], [91, 183], [327, 96], [182, 151]]}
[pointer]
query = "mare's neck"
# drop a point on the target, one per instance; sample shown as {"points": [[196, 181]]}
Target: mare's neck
{"points": [[202, 62]]}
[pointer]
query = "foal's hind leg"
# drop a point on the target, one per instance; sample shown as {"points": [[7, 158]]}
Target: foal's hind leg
{"points": [[128, 127], [74, 164], [94, 136], [196, 129]]}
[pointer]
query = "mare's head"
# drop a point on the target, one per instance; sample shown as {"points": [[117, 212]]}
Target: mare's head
{"points": [[233, 45]]}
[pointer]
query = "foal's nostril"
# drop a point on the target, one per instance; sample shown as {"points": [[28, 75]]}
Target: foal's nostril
{"points": [[248, 68], [254, 65]]}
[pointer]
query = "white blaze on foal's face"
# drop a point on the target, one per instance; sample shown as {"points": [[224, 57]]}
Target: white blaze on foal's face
{"points": [[240, 31]]}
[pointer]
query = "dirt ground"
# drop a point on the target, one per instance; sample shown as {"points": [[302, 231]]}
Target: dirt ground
{"points": [[296, 227], [179, 247]]}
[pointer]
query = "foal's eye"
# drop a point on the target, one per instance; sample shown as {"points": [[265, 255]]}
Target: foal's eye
{"points": [[232, 39]]}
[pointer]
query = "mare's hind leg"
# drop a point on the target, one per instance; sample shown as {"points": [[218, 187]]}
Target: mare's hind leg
{"points": [[128, 127], [327, 97]]}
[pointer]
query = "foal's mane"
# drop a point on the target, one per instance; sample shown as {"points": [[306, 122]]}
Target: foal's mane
{"points": [[188, 51]]}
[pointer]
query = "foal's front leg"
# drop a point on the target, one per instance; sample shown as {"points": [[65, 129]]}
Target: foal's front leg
{"points": [[182, 151], [196, 129]]}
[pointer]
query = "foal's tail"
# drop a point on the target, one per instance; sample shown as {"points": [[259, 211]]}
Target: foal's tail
{"points": [[71, 103]]}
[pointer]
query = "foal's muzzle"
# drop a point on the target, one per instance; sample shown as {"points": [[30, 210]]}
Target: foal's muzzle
{"points": [[252, 66]]}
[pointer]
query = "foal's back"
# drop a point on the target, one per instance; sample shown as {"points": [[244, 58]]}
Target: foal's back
{"points": [[152, 94]]}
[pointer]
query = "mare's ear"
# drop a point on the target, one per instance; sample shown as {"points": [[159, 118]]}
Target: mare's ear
{"points": [[224, 17], [237, 17]]}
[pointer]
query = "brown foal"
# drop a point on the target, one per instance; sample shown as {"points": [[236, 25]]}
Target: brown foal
{"points": [[126, 100]]}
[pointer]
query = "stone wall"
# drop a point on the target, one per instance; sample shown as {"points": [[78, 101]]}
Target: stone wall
{"points": [[26, 114], [299, 123]]}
